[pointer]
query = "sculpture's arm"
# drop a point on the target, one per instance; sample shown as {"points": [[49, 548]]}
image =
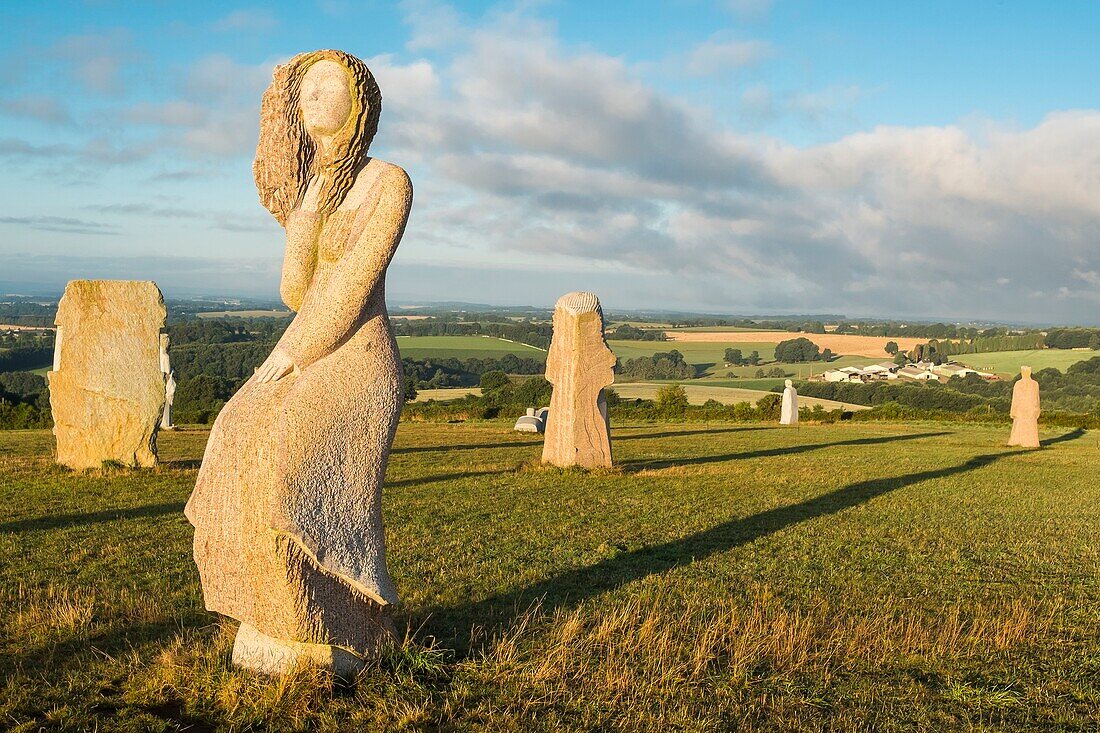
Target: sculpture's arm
{"points": [[332, 315], [299, 262]]}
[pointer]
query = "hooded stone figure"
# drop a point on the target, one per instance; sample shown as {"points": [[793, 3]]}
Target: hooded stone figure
{"points": [[287, 506], [789, 413], [1025, 411], [580, 364]]}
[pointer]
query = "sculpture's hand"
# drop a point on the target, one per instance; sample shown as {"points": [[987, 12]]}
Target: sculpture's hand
{"points": [[278, 365]]}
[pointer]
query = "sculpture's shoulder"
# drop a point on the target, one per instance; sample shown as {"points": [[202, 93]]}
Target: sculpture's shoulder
{"points": [[394, 179]]}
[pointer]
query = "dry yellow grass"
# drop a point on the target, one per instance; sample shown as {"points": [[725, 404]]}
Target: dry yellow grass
{"points": [[872, 346]]}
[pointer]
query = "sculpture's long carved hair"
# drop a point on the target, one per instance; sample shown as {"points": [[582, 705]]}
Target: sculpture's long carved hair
{"points": [[286, 156]]}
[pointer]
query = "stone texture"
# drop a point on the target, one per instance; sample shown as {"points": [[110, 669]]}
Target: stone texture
{"points": [[287, 506], [789, 413], [580, 364], [169, 383], [1025, 411], [259, 652], [106, 387]]}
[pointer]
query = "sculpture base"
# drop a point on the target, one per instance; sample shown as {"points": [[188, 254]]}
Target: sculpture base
{"points": [[259, 652]]}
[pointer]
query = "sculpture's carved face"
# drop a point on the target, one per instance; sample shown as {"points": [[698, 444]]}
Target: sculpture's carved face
{"points": [[324, 98], [1025, 372]]}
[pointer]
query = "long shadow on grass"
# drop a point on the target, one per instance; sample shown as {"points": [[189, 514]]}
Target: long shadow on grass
{"points": [[575, 586], [62, 521], [615, 437], [641, 464], [1072, 435], [471, 446]]}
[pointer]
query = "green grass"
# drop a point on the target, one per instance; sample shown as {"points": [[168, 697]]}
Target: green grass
{"points": [[464, 347], [1007, 363], [710, 356], [727, 576]]}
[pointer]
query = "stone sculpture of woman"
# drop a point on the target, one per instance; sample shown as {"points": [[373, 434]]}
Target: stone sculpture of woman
{"points": [[1025, 411], [580, 364], [789, 413], [287, 506]]}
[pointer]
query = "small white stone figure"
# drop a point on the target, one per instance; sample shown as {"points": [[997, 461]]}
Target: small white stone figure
{"points": [[169, 383], [789, 413], [1025, 411], [529, 423], [169, 397]]}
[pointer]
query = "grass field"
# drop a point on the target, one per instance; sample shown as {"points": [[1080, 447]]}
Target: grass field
{"points": [[891, 577], [246, 314], [464, 347], [1007, 363], [698, 393], [869, 346]]}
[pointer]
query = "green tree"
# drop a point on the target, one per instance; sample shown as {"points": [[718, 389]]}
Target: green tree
{"points": [[494, 382], [892, 348], [733, 356], [797, 350], [672, 400], [1094, 342], [754, 358], [410, 389]]}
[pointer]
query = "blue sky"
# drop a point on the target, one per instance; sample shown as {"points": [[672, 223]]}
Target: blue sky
{"points": [[914, 159]]}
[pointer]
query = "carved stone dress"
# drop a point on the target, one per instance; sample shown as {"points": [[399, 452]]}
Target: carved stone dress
{"points": [[1025, 414], [287, 505]]}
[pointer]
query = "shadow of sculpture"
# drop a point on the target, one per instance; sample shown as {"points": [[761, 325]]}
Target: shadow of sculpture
{"points": [[572, 587], [471, 446], [677, 433], [1071, 435], [63, 521], [646, 464]]}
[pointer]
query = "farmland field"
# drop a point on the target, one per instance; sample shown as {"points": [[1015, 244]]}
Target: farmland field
{"points": [[869, 346], [246, 314], [464, 347], [911, 576], [699, 392], [1007, 363]]}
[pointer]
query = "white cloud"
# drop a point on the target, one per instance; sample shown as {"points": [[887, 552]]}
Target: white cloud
{"points": [[36, 107], [715, 56], [253, 20], [97, 59]]}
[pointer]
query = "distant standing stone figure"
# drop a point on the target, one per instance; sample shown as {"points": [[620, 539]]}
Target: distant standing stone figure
{"points": [[1025, 411], [169, 383], [580, 364], [287, 507], [789, 412], [106, 387]]}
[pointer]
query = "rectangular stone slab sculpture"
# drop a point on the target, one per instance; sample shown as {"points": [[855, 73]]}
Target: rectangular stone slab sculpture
{"points": [[580, 364], [106, 387]]}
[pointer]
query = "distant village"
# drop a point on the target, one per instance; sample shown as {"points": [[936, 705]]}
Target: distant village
{"points": [[921, 371]]}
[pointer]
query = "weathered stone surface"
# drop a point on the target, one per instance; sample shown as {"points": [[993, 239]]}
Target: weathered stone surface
{"points": [[1025, 411], [789, 413], [106, 387], [580, 364], [169, 383], [259, 652], [287, 507]]}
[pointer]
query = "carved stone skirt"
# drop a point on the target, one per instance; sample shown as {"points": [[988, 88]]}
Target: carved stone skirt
{"points": [[287, 505]]}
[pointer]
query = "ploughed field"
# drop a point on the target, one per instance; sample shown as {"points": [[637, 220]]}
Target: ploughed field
{"points": [[915, 576]]}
